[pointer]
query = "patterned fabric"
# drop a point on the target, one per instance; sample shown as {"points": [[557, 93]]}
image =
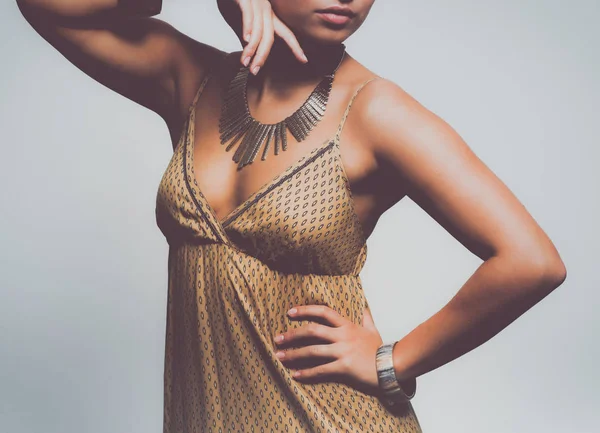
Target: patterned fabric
{"points": [[297, 240]]}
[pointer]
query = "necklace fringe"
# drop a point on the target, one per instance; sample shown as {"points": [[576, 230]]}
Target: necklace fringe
{"points": [[236, 123]]}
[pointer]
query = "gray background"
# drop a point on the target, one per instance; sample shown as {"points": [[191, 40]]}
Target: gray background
{"points": [[83, 265]]}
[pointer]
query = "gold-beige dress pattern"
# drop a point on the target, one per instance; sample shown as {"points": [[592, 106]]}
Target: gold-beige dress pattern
{"points": [[295, 241]]}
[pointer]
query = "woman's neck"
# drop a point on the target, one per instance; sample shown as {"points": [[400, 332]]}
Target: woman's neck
{"points": [[282, 71]]}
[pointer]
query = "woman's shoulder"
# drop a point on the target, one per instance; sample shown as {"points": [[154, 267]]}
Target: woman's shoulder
{"points": [[384, 109], [373, 94], [371, 86]]}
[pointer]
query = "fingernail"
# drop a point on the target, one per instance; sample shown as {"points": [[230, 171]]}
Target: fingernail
{"points": [[280, 355], [255, 70], [304, 57], [279, 339], [292, 311], [247, 37], [296, 374], [246, 61]]}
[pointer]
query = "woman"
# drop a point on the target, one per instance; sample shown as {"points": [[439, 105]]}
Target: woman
{"points": [[265, 254]]}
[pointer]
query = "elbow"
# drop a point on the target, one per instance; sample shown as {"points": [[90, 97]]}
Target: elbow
{"points": [[549, 269], [557, 272], [534, 270]]}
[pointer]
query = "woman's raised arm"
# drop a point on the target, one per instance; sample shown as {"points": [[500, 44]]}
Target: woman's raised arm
{"points": [[120, 44]]}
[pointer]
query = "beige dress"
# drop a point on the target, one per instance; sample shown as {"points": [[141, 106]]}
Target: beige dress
{"points": [[297, 240]]}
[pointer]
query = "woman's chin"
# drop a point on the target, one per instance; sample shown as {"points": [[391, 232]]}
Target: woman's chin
{"points": [[323, 37]]}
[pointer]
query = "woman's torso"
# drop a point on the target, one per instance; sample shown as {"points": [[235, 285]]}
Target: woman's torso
{"points": [[294, 240], [225, 188]]}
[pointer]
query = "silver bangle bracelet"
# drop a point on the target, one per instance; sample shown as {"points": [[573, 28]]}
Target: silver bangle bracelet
{"points": [[392, 391]]}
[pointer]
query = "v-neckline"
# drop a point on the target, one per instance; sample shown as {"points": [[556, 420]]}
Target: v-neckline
{"points": [[190, 173], [219, 225]]}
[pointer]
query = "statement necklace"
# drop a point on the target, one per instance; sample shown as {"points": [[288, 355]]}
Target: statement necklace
{"points": [[237, 123]]}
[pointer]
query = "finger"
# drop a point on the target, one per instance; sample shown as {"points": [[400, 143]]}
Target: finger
{"points": [[288, 36], [257, 30], [312, 330], [266, 41], [329, 370], [322, 311], [316, 351], [247, 18]]}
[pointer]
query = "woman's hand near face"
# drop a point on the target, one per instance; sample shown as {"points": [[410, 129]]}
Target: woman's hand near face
{"points": [[259, 27]]}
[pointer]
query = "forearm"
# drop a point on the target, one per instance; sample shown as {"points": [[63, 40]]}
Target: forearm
{"points": [[500, 290], [90, 9]]}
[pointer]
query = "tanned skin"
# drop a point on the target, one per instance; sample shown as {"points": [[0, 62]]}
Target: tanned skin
{"points": [[393, 147]]}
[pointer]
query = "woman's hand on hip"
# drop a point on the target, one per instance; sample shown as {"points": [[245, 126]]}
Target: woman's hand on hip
{"points": [[342, 350], [259, 27]]}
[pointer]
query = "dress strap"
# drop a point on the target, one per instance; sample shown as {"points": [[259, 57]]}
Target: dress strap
{"points": [[192, 108], [343, 121]]}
